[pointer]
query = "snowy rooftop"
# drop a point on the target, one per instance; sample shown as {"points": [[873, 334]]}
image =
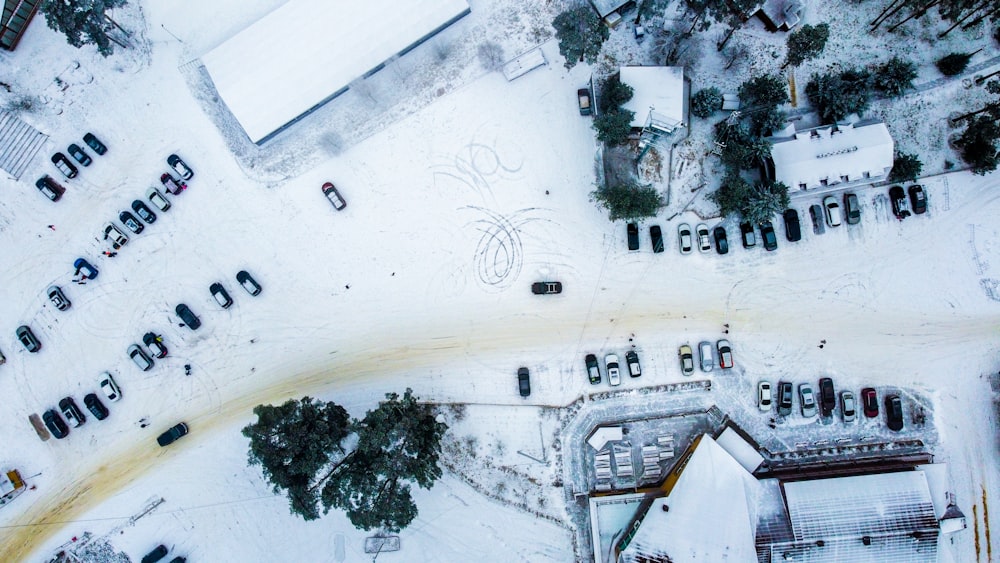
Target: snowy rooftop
{"points": [[656, 89], [605, 7], [741, 450], [307, 51], [831, 152]]}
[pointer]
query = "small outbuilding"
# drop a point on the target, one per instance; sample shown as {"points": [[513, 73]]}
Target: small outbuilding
{"points": [[17, 15], [658, 97]]}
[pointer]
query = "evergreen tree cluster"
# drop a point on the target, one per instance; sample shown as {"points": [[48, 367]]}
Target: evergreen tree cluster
{"points": [[706, 101], [755, 203], [580, 34], [805, 43], [83, 22], [628, 201], [614, 124]]}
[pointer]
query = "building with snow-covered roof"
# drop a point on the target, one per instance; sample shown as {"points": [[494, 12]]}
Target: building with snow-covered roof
{"points": [[307, 52], [845, 155], [659, 97], [605, 8]]}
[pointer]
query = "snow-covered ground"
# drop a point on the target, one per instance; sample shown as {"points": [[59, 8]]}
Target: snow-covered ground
{"points": [[454, 208]]}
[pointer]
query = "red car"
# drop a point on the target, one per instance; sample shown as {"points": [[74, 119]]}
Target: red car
{"points": [[870, 401], [172, 184]]}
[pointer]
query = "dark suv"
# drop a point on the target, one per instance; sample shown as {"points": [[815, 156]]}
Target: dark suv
{"points": [[95, 406], [784, 398], [767, 233], [50, 188], [827, 396], [894, 413], [593, 371], [186, 315], [71, 412], [171, 436], [793, 231], [656, 235], [153, 556], [55, 424], [28, 339], [633, 236], [749, 238], [523, 382], [852, 208], [898, 199]]}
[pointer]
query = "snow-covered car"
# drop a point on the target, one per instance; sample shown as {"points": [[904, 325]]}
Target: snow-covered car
{"points": [[593, 371], [897, 198], [58, 298], [253, 288], [130, 222], [632, 361], [816, 214], [832, 209], [115, 235], [848, 406], [84, 268], [220, 295], [611, 366], [748, 235], [725, 351], [331, 193], [94, 143], [157, 199], [171, 184], [143, 211], [178, 166], [684, 238], [767, 234], [656, 237], [764, 396], [77, 153], [583, 100], [72, 412], [704, 242], [155, 344], [50, 188], [109, 387], [706, 356], [785, 395], [64, 165], [852, 209], [808, 400], [137, 355], [687, 359]]}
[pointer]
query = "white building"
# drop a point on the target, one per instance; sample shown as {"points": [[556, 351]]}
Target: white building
{"points": [[846, 155], [658, 97]]}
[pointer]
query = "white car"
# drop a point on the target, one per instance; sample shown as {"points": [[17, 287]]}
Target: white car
{"points": [[115, 235], [684, 237], [808, 400], [707, 358], [848, 406], [704, 242], [764, 396], [110, 388], [833, 217], [157, 198], [611, 363]]}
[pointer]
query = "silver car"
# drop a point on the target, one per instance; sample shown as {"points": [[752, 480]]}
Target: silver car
{"points": [[707, 356], [611, 365], [848, 406], [115, 235], [808, 400]]}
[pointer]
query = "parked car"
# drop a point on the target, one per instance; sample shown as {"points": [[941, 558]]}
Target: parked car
{"points": [[95, 406], [27, 339], [64, 165], [593, 371], [848, 406], [115, 235], [897, 197], [94, 143], [747, 233], [583, 99], [158, 553], [84, 268], [816, 214], [721, 241], [918, 198], [140, 358], [186, 315], [220, 295], [684, 238], [687, 359], [58, 298], [764, 396], [793, 231], [656, 235], [50, 188], [523, 381], [832, 209], [72, 412], [253, 288], [155, 344], [706, 355], [808, 400], [704, 242], [143, 211], [725, 350], [538, 288], [130, 222], [109, 387], [869, 401], [632, 360], [55, 424], [784, 398], [894, 412], [158, 199], [633, 236], [767, 233], [852, 209], [331, 193], [611, 366], [170, 436], [77, 153], [179, 167], [171, 184], [178, 559], [827, 396]]}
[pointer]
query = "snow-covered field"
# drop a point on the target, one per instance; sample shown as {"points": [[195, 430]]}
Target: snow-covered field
{"points": [[454, 208]]}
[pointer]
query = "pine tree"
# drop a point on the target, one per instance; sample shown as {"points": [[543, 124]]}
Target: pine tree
{"points": [[614, 93], [580, 33], [766, 90], [628, 201], [706, 102], [613, 128], [837, 95], [805, 43], [83, 22], [954, 63], [905, 168], [978, 144], [894, 76]]}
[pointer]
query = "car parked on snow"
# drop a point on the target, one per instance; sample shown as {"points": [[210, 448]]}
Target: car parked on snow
{"points": [[115, 235], [538, 288], [220, 295], [72, 412], [331, 193], [721, 240], [171, 184], [918, 198], [764, 396], [656, 236], [684, 238], [832, 209], [793, 231], [869, 400], [816, 214], [109, 387], [897, 198], [158, 199], [894, 413], [143, 211], [827, 396], [178, 165], [27, 339], [94, 143], [808, 400], [706, 356], [748, 235], [84, 268], [50, 188], [632, 361], [852, 209], [58, 298], [141, 359], [593, 371], [172, 435], [79, 155], [687, 359], [785, 395], [64, 165], [848, 406], [55, 424], [158, 553], [611, 366], [188, 316], [523, 382], [130, 222], [633, 236], [95, 406], [725, 350], [704, 242], [583, 100], [767, 233], [155, 344], [253, 288]]}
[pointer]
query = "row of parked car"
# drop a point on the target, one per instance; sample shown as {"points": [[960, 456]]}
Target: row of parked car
{"points": [[826, 401], [158, 553], [723, 348], [612, 368], [173, 186], [58, 427]]}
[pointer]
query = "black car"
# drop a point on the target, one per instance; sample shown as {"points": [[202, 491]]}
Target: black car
{"points": [[155, 344], [918, 198], [27, 339], [633, 236], [143, 211], [523, 382], [58, 298], [784, 398], [130, 222], [749, 238], [657, 237], [71, 412], [76, 152], [632, 361], [171, 436], [584, 101], [546, 288], [55, 424], [767, 233], [158, 553], [333, 195], [898, 199], [95, 406], [253, 288], [84, 268], [94, 143], [220, 295], [64, 165], [180, 167], [593, 369], [793, 230], [894, 412], [852, 208], [827, 396], [721, 240], [50, 188], [186, 315]]}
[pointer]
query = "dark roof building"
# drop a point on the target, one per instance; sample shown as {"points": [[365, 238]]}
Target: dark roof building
{"points": [[16, 16]]}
